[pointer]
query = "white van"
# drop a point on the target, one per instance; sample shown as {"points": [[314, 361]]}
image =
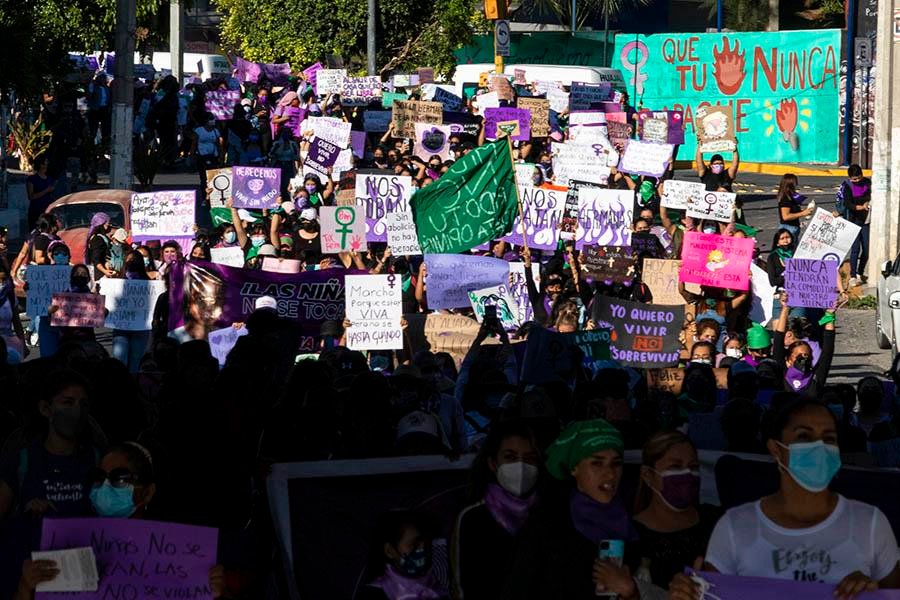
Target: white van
{"points": [[213, 64], [562, 73]]}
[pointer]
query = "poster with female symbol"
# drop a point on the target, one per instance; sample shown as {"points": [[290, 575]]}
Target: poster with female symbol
{"points": [[343, 229], [716, 206]]}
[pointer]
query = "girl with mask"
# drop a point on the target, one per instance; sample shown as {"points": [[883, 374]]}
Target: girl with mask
{"points": [[128, 346], [790, 211], [801, 375], [318, 194], [505, 476], [149, 263], [734, 346], [715, 176], [849, 544], [673, 527], [782, 249], [10, 325]]}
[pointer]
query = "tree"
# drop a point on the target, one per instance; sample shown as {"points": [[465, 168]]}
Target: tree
{"points": [[410, 33]]}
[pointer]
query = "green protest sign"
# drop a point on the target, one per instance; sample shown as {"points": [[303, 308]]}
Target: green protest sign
{"points": [[388, 98]]}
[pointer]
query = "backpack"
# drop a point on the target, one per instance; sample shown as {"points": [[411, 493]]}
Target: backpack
{"points": [[840, 204]]}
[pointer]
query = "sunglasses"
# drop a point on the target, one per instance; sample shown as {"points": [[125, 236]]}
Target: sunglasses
{"points": [[118, 478]]}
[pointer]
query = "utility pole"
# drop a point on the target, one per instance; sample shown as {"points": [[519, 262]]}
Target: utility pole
{"points": [[120, 173], [176, 40], [774, 9], [370, 38]]}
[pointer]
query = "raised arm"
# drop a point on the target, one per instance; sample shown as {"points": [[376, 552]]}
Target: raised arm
{"points": [[735, 162], [698, 158]]}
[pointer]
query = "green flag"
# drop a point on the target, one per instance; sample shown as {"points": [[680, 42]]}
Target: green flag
{"points": [[473, 203]]}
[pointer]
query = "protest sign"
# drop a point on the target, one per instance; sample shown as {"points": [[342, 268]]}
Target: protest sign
{"points": [[542, 210], [558, 100], [426, 75], [137, 558], [255, 187], [486, 101], [587, 117], [671, 380], [518, 289], [643, 336], [77, 310], [330, 81], [462, 122], [524, 173], [646, 158], [343, 228], [312, 76], [407, 113], [277, 73], [379, 195], [232, 256], [220, 103], [608, 264], [714, 260], [376, 121], [499, 297], [218, 182], [322, 154], [130, 302], [811, 283], [431, 140], [604, 217], [330, 129], [374, 309], [162, 215], [519, 77], [809, 586], [508, 129], [448, 99], [580, 162], [389, 98], [677, 193], [358, 143], [618, 131], [583, 96], [280, 265], [447, 289], [827, 237], [539, 112], [43, 282], [360, 91], [493, 116], [661, 126], [715, 128], [221, 341], [762, 306], [405, 80], [401, 233], [499, 84], [646, 244], [661, 276], [716, 206]]}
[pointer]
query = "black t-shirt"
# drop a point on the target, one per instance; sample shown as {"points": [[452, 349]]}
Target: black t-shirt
{"points": [[98, 250], [63, 480], [714, 181], [793, 208], [670, 553], [41, 241]]}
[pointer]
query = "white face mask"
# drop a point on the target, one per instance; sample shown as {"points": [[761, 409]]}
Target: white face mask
{"points": [[517, 478], [734, 352], [702, 361]]}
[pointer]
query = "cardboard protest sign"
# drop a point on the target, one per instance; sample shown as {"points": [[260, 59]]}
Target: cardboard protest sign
{"points": [[716, 206], [715, 128], [221, 341], [379, 195], [389, 98], [232, 256], [255, 187], [447, 289], [343, 228], [811, 283], [220, 103], [539, 111], [661, 126], [426, 74], [280, 265], [542, 209], [499, 84], [608, 264], [401, 234], [671, 380], [407, 113], [646, 158], [661, 276], [218, 182], [604, 217], [498, 296], [618, 130], [762, 306], [580, 162], [322, 154], [508, 129], [449, 100], [360, 91], [43, 282], [376, 121], [432, 140], [714, 260], [330, 81], [518, 289], [162, 215], [827, 237], [644, 336], [676, 193], [493, 116], [583, 96], [374, 309], [77, 310], [330, 129], [137, 558], [130, 302], [312, 76]]}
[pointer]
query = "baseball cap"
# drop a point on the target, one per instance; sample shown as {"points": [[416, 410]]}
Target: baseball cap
{"points": [[120, 235], [266, 302], [288, 207], [267, 250], [309, 214]]}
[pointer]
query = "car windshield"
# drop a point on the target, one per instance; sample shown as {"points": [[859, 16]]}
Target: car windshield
{"points": [[74, 216]]}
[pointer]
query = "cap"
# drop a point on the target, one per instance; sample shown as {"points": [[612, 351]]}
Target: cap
{"points": [[245, 215], [266, 302], [288, 207], [120, 235], [409, 371], [267, 250], [309, 214], [418, 422]]}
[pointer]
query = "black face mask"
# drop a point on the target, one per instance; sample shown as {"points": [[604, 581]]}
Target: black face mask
{"points": [[803, 364], [80, 282]]}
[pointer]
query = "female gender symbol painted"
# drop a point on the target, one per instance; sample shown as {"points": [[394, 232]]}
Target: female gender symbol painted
{"points": [[346, 216]]}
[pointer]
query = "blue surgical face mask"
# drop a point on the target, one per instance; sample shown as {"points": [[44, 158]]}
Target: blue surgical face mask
{"points": [[230, 237], [60, 259], [257, 240], [414, 564], [146, 261], [110, 501], [812, 464]]}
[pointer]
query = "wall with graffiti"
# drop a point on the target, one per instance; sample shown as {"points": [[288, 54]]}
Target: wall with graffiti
{"points": [[783, 87]]}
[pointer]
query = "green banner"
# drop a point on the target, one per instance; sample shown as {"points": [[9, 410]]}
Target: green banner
{"points": [[473, 203], [783, 87], [540, 48]]}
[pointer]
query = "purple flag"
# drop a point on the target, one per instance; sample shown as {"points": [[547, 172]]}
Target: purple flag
{"points": [[255, 187], [311, 73], [221, 103], [277, 73]]}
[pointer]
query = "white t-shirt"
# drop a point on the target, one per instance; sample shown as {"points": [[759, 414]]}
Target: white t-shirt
{"points": [[855, 537], [207, 141]]}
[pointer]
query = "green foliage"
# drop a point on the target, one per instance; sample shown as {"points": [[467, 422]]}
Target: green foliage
{"points": [[742, 15], [31, 139], [409, 34], [863, 303], [586, 10]]}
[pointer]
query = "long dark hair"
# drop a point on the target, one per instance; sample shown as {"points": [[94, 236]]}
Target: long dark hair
{"points": [[481, 469], [788, 186], [779, 233]]}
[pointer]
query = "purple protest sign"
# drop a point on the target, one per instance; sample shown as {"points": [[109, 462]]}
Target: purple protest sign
{"points": [[740, 587], [312, 75], [221, 103], [358, 143], [246, 70], [811, 283], [322, 154], [137, 558], [277, 73], [255, 187], [493, 116], [542, 209]]}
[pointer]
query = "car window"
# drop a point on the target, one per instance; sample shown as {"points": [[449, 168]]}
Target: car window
{"points": [[74, 216]]}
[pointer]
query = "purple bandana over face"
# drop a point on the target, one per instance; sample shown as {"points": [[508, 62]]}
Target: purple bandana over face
{"points": [[399, 587], [597, 521], [797, 380], [508, 510]]}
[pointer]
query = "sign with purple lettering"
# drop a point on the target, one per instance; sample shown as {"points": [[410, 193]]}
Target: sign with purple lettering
{"points": [[811, 283], [646, 158], [221, 103], [604, 217], [542, 211], [379, 195], [360, 91], [493, 116], [137, 558], [312, 75], [255, 187], [661, 126], [162, 215]]}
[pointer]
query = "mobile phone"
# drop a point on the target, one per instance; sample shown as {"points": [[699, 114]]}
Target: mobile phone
{"points": [[612, 551], [490, 315]]}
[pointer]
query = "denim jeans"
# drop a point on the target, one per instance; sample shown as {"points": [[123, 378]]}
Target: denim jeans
{"points": [[859, 253], [129, 347]]}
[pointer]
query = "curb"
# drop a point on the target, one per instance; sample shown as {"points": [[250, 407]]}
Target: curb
{"points": [[783, 168]]}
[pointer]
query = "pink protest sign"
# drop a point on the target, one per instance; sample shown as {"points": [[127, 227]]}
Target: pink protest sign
{"points": [[78, 310], [138, 558], [280, 265], [734, 587], [716, 260]]}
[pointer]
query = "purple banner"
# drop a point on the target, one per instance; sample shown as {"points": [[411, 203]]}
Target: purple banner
{"points": [[137, 558], [255, 187], [358, 143], [492, 116], [735, 587], [311, 73], [277, 73], [221, 103]]}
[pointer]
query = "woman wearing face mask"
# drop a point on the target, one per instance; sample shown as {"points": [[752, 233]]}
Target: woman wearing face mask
{"points": [[10, 325], [99, 243], [850, 544], [79, 283], [200, 251], [790, 211], [129, 347], [318, 194], [715, 176], [149, 263], [673, 528], [734, 346], [782, 249], [802, 375], [169, 253], [505, 475]]}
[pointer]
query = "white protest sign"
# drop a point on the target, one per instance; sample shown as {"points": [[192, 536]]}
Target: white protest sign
{"points": [[762, 306], [604, 217], [581, 162], [43, 282], [524, 173], [827, 237], [376, 120], [231, 256], [542, 212], [489, 100], [401, 234], [329, 129], [374, 307], [676, 193], [343, 228], [379, 195], [589, 134], [221, 341], [330, 81], [499, 296], [281, 265], [518, 288], [587, 117], [130, 302], [646, 158], [218, 182], [360, 91], [718, 206], [166, 214], [559, 100]]}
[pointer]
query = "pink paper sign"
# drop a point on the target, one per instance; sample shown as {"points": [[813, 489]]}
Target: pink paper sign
{"points": [[280, 265], [716, 261], [78, 310]]}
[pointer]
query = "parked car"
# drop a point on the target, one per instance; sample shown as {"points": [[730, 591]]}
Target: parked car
{"points": [[887, 311]]}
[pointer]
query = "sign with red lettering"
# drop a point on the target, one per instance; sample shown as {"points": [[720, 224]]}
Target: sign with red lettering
{"points": [[642, 335]]}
